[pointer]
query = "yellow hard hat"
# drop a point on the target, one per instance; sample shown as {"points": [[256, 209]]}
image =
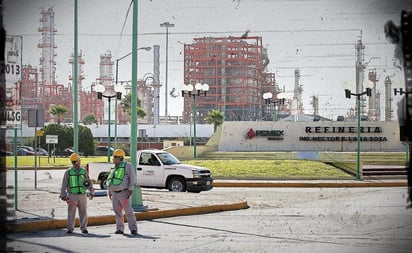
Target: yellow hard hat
{"points": [[119, 152], [74, 157]]}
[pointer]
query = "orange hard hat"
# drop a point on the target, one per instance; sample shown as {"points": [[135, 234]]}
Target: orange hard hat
{"points": [[119, 152], [74, 157]]}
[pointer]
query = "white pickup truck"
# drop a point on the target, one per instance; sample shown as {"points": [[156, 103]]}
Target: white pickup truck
{"points": [[159, 169]]}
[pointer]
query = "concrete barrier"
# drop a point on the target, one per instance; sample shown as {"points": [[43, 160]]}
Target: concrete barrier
{"points": [[24, 226]]}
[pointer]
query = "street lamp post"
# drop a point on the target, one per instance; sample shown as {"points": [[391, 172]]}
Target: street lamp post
{"points": [[108, 92], [268, 100], [115, 105], [167, 25], [348, 94], [198, 90]]}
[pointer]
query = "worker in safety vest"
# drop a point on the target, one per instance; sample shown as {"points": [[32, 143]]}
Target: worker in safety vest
{"points": [[75, 184], [120, 184]]}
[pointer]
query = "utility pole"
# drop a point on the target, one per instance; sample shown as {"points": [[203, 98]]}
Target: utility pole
{"points": [[167, 25]]}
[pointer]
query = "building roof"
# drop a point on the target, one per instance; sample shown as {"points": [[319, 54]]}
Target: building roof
{"points": [[168, 131], [305, 118]]}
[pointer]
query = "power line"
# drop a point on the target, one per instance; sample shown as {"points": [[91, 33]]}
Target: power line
{"points": [[215, 32], [261, 31]]}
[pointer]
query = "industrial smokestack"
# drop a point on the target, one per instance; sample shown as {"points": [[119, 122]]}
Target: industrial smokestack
{"points": [[156, 84]]}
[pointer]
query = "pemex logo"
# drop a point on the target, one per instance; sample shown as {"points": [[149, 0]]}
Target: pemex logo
{"points": [[269, 134], [251, 134]]}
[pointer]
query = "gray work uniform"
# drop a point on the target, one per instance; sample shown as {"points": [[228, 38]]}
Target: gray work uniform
{"points": [[120, 198], [75, 201]]}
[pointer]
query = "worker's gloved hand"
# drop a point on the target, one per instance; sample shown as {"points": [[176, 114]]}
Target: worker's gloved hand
{"points": [[64, 198]]}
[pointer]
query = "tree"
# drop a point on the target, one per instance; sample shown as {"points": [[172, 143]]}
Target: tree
{"points": [[215, 117], [90, 119], [126, 104], [65, 138], [64, 134], [58, 111], [86, 141]]}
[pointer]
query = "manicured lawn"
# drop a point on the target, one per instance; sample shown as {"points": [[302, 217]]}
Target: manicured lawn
{"points": [[271, 169], [240, 169], [26, 161]]}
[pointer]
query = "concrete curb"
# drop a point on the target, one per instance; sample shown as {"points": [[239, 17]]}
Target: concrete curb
{"points": [[310, 184], [109, 219]]}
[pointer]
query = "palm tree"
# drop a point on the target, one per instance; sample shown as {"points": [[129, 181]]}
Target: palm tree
{"points": [[126, 104], [90, 119], [215, 117], [58, 111]]}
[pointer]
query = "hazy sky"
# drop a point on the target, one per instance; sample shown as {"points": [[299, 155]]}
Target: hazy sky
{"points": [[316, 36]]}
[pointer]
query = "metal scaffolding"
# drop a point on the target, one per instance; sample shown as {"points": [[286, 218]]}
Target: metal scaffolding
{"points": [[234, 69]]}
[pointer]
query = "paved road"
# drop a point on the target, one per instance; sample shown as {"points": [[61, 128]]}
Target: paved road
{"points": [[278, 220]]}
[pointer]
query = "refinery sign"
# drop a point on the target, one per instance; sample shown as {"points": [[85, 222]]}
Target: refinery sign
{"points": [[342, 138], [265, 136], [340, 131]]}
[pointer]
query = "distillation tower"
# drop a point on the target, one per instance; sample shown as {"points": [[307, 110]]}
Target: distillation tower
{"points": [[234, 69], [80, 77]]}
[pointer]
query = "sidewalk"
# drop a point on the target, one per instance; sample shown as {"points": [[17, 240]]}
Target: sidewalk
{"points": [[41, 208]]}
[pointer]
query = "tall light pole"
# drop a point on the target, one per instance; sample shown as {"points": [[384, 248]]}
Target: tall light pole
{"points": [[75, 83], [167, 25], [268, 100], [108, 92], [137, 202], [117, 73], [348, 94], [198, 90]]}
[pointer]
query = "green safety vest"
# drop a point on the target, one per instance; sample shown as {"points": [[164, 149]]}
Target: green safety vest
{"points": [[116, 174], [76, 180]]}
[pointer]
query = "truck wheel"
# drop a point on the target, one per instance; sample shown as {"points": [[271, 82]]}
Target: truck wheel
{"points": [[103, 185], [177, 184]]}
